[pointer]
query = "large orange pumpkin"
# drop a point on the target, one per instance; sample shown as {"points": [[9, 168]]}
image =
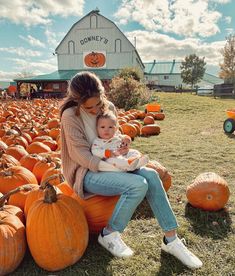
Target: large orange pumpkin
{"points": [[163, 173], [11, 209], [95, 59], [14, 177], [98, 210], [148, 130], [57, 223], [208, 191], [129, 130], [12, 240]]}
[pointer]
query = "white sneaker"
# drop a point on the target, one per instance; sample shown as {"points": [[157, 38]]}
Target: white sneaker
{"points": [[115, 245], [180, 251]]}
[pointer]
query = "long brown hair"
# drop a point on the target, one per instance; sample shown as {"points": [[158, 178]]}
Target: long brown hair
{"points": [[81, 87]]}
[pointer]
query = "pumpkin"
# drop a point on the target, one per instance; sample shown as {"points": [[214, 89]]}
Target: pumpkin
{"points": [[10, 209], [98, 210], [95, 59], [16, 151], [163, 173], [208, 191], [28, 161], [14, 177], [13, 242], [18, 199], [8, 160], [12, 236], [42, 166], [37, 147], [129, 130], [148, 120], [3, 146], [159, 116], [54, 247], [148, 130]]}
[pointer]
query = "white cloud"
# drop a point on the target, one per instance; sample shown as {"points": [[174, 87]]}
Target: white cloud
{"points": [[152, 45], [32, 41], [53, 38], [7, 76], [186, 18], [35, 67], [34, 12], [20, 51]]}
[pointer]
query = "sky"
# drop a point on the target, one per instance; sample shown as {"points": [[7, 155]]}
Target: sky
{"points": [[162, 30]]}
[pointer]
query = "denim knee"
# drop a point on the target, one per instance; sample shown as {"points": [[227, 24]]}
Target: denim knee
{"points": [[140, 187], [153, 178]]}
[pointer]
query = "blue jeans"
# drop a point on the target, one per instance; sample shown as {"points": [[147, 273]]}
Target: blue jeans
{"points": [[132, 188]]}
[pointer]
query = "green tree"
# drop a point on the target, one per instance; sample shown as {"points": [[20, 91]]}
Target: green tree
{"points": [[228, 66], [192, 69], [131, 72], [127, 91]]}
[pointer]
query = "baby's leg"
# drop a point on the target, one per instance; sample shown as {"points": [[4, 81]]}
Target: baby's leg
{"points": [[125, 164], [143, 159]]}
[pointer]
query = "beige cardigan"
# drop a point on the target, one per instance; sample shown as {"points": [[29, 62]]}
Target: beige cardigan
{"points": [[76, 155]]}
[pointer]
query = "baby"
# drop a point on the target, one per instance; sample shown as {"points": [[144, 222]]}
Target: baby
{"points": [[109, 141]]}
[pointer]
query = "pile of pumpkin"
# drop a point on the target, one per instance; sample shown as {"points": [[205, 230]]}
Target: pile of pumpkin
{"points": [[130, 122], [36, 203]]}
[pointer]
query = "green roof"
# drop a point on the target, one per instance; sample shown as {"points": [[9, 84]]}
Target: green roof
{"points": [[162, 67], [173, 67], [64, 75]]}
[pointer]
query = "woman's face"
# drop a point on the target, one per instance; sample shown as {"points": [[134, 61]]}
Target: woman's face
{"points": [[93, 105]]}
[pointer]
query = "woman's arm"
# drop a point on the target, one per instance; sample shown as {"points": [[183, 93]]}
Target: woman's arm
{"points": [[77, 144]]}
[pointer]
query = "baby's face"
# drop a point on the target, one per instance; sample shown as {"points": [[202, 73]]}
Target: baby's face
{"points": [[106, 128]]}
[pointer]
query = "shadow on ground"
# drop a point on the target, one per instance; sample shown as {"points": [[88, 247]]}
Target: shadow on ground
{"points": [[216, 225]]}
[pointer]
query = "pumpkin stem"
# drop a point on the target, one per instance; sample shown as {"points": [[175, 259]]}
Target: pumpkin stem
{"points": [[5, 197], [17, 129], [52, 177], [50, 194]]}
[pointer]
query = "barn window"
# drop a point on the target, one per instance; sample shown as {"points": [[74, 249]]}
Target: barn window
{"points": [[166, 77], [93, 21], [118, 45], [71, 47]]}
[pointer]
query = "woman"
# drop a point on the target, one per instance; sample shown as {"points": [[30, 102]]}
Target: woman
{"points": [[85, 172]]}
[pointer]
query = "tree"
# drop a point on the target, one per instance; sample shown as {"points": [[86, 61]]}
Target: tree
{"points": [[127, 91], [192, 69], [228, 66], [132, 72]]}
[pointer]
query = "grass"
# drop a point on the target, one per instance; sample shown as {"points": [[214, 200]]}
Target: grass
{"points": [[192, 141]]}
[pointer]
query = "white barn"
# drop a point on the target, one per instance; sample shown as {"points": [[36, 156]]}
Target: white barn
{"points": [[95, 42]]}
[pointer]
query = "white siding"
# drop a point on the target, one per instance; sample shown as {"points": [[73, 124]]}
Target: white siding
{"points": [[96, 33], [165, 79]]}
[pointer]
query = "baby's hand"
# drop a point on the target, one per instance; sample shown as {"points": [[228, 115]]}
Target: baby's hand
{"points": [[126, 141]]}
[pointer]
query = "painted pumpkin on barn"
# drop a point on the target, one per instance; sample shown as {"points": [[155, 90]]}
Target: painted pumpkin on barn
{"points": [[95, 59]]}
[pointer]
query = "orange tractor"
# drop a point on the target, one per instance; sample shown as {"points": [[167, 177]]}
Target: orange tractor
{"points": [[229, 124]]}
